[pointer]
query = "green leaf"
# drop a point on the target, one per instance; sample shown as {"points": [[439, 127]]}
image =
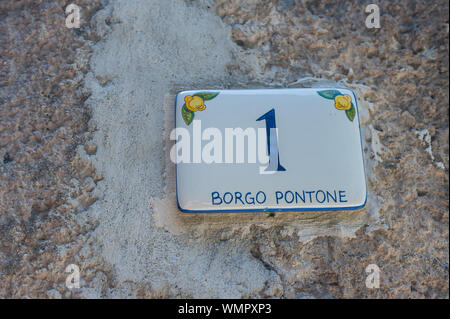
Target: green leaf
{"points": [[188, 115], [329, 94], [206, 96], [351, 113]]}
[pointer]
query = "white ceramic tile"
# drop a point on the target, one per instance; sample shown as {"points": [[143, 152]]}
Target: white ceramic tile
{"points": [[319, 165]]}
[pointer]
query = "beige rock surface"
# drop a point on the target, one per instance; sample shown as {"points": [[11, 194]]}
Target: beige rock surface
{"points": [[83, 137], [42, 121]]}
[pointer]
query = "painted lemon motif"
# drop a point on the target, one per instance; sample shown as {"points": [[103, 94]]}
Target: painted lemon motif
{"points": [[194, 103], [343, 102]]}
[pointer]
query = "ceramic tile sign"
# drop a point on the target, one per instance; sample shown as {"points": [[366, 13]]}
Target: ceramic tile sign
{"points": [[268, 150]]}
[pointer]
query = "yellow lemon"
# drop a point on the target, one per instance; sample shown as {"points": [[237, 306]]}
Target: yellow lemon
{"points": [[194, 103], [343, 102]]}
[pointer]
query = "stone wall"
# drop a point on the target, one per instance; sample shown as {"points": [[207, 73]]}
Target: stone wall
{"points": [[85, 176]]}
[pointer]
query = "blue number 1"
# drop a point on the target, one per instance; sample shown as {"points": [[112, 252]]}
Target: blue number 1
{"points": [[272, 142]]}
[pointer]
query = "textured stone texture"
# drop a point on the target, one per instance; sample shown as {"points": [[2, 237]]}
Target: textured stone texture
{"points": [[72, 132], [42, 121]]}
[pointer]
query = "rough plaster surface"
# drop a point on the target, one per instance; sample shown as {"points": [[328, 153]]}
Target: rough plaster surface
{"points": [[125, 232], [42, 121]]}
